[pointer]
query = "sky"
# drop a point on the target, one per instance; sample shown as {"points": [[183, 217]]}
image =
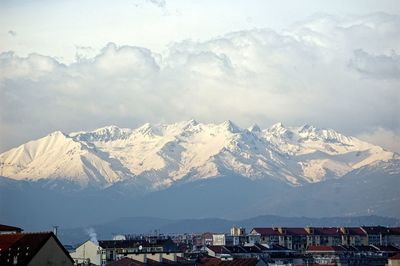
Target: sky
{"points": [[81, 65]]}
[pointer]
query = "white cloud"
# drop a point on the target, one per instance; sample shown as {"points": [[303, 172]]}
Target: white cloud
{"points": [[388, 139], [32, 67], [300, 75], [376, 66]]}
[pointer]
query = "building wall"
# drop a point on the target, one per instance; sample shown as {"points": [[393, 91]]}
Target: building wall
{"points": [[87, 250], [393, 262], [51, 254], [219, 240], [394, 240]]}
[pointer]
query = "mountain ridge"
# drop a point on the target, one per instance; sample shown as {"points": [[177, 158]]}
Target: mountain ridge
{"points": [[158, 156]]}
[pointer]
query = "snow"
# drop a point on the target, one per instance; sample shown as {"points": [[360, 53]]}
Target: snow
{"points": [[163, 154]]}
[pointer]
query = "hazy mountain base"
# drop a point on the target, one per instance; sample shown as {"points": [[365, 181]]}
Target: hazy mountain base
{"points": [[38, 206], [148, 225]]}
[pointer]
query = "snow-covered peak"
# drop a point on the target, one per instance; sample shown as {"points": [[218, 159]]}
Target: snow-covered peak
{"points": [[255, 129], [160, 155], [230, 126], [308, 132], [104, 134], [146, 130]]}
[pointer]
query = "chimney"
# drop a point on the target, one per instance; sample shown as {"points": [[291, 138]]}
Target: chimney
{"points": [[309, 230], [55, 229]]}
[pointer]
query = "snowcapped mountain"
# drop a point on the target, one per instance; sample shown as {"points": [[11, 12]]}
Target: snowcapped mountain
{"points": [[155, 157]]}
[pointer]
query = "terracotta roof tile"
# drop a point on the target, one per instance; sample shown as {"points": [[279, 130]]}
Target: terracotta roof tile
{"points": [[325, 248], [235, 262], [23, 246], [395, 257], [266, 231], [7, 228], [327, 231]]}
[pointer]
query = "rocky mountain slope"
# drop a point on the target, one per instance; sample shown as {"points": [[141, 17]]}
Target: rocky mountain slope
{"points": [[155, 157]]}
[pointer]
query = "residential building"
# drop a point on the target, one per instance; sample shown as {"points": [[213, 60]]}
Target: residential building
{"points": [[8, 229], [300, 238], [265, 235], [394, 260], [377, 235], [353, 236], [219, 239], [328, 236], [293, 238], [328, 255], [393, 237], [233, 262], [33, 249], [115, 249], [238, 231], [87, 252]]}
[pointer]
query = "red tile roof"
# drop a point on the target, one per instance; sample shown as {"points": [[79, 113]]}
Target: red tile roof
{"points": [[327, 231], [355, 231], [7, 240], [395, 257], [325, 248], [235, 262], [24, 247], [394, 230], [131, 262], [266, 231], [8, 228], [296, 231]]}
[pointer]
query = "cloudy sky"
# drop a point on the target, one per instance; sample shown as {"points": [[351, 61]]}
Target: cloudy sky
{"points": [[80, 65]]}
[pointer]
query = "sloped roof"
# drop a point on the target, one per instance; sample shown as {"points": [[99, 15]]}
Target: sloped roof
{"points": [[374, 230], [295, 231], [355, 231], [126, 262], [234, 262], [235, 249], [134, 243], [219, 249], [325, 248], [131, 262], [7, 228], [365, 248], [395, 257], [389, 248], [327, 231], [24, 247], [266, 231]]}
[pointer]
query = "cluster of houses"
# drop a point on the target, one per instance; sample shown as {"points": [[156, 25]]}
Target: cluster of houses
{"points": [[366, 245]]}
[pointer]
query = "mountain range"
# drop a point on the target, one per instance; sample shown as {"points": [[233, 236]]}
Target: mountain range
{"points": [[191, 169]]}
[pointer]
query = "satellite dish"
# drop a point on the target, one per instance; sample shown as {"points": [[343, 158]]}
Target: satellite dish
{"points": [[140, 247]]}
